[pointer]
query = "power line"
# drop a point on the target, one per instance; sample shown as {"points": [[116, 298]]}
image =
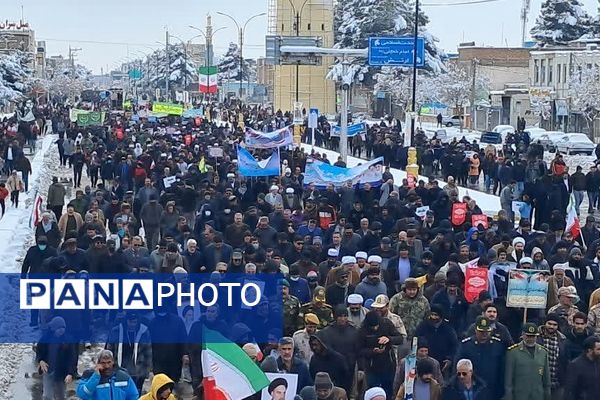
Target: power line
{"points": [[460, 3], [127, 44]]}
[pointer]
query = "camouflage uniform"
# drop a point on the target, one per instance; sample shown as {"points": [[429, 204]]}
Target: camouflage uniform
{"points": [[291, 311], [412, 311]]}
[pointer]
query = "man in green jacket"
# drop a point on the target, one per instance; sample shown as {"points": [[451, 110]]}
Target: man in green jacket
{"points": [[527, 371]]}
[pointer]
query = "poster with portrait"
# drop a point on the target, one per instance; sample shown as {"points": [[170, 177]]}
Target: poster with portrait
{"points": [[282, 387]]}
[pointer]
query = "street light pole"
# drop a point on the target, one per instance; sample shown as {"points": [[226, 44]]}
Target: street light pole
{"points": [[344, 116], [297, 18], [168, 67], [241, 31], [414, 80], [208, 36]]}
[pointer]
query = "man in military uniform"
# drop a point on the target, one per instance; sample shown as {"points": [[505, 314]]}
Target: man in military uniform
{"points": [[317, 306], [487, 353], [527, 374], [291, 309]]}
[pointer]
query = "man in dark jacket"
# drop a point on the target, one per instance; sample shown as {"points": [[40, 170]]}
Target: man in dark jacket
{"points": [[376, 338], [342, 337], [288, 363], [576, 336], [466, 385], [32, 264], [583, 379], [150, 216], [487, 353], [327, 360], [440, 335], [168, 350]]}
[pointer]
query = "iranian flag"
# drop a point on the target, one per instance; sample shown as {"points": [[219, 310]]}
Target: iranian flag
{"points": [[229, 374], [207, 77], [572, 219]]}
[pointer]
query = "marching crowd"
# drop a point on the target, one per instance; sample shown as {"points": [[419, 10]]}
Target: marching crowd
{"points": [[364, 275]]}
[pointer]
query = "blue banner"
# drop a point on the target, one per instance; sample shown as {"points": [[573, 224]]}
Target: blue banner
{"points": [[193, 113], [353, 130], [269, 140], [248, 166], [321, 174], [170, 306]]}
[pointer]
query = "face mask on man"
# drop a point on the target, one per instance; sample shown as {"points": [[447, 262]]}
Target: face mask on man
{"points": [[42, 247]]}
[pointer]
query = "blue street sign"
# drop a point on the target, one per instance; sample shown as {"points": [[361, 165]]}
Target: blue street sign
{"points": [[313, 118], [353, 130], [395, 51]]}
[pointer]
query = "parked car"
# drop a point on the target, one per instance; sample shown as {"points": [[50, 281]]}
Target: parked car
{"points": [[503, 129], [454, 120], [575, 143], [494, 138]]}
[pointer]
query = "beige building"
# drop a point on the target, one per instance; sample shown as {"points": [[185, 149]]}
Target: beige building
{"points": [[550, 69], [507, 72], [316, 19]]}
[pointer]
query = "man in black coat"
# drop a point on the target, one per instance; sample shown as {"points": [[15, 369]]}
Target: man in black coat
{"points": [[583, 377], [33, 264], [327, 360]]}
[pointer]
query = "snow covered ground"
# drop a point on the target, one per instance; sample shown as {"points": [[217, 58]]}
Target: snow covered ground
{"points": [[488, 203], [15, 238]]}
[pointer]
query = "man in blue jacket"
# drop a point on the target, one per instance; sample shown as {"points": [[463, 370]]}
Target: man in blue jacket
{"points": [[106, 382]]}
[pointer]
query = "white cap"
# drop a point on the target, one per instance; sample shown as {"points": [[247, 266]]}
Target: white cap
{"points": [[333, 253], [288, 170], [526, 260], [374, 259], [348, 260], [561, 266], [361, 254], [289, 190], [274, 187], [230, 175], [355, 298], [374, 392], [518, 240]]}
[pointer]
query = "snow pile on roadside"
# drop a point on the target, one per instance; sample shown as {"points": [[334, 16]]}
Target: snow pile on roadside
{"points": [[573, 161], [16, 237]]}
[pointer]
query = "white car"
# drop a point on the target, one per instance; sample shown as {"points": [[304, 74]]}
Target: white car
{"points": [[503, 129], [575, 143]]}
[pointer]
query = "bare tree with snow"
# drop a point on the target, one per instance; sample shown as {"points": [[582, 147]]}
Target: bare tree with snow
{"points": [[15, 77], [584, 90]]}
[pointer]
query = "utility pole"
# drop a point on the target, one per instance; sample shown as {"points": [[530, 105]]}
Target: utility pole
{"points": [[414, 80], [473, 88], [168, 65]]}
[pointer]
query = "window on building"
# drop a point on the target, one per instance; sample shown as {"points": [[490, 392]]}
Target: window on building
{"points": [[536, 71], [309, 26], [322, 27], [558, 72], [564, 73], [543, 72], [282, 27], [550, 71]]}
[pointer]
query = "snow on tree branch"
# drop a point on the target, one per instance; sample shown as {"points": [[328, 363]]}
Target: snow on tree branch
{"points": [[584, 90]]}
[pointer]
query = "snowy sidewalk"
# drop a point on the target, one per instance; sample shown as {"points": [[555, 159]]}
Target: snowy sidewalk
{"points": [[15, 231]]}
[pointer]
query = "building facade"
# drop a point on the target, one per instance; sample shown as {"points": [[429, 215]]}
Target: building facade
{"points": [[506, 69], [550, 70], [303, 18]]}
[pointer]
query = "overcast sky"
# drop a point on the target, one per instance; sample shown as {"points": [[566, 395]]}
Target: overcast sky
{"points": [[125, 28]]}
